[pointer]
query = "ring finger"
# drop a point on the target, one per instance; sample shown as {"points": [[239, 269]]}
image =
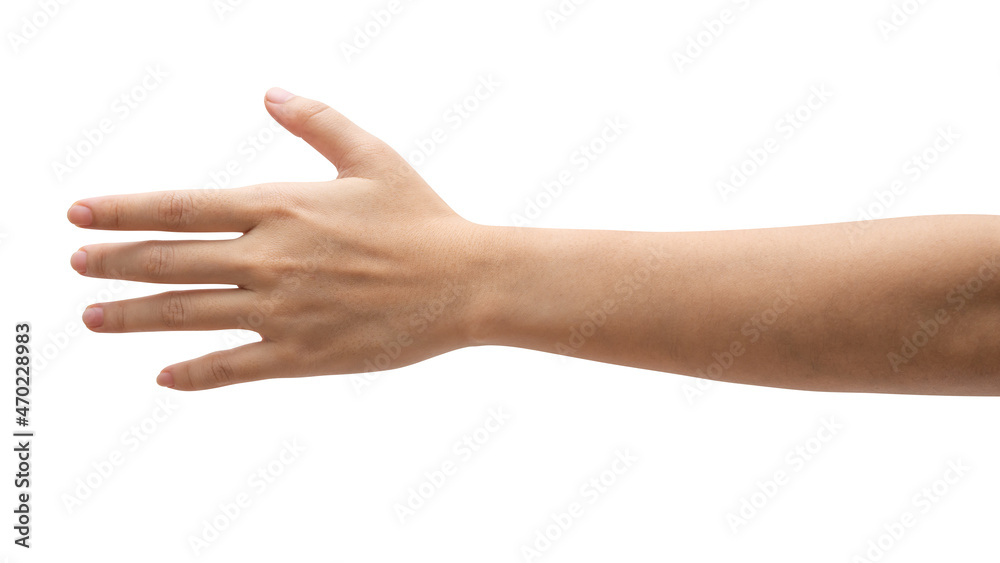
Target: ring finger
{"points": [[198, 309]]}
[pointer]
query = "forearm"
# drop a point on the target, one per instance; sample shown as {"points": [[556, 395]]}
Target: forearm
{"points": [[821, 307]]}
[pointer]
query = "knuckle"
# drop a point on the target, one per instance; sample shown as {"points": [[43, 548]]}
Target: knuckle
{"points": [[174, 209], [118, 318], [313, 115], [374, 158], [97, 261], [115, 213], [101, 263], [374, 149], [220, 371], [159, 260], [172, 311], [281, 272], [268, 200]]}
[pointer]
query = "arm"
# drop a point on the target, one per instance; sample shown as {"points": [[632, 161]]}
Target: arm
{"points": [[374, 271], [904, 305]]}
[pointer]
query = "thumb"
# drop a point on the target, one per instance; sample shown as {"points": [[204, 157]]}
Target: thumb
{"points": [[337, 138]]}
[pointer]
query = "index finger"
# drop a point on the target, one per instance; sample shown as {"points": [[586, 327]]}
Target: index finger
{"points": [[203, 210]]}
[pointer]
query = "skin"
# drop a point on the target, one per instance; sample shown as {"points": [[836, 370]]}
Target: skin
{"points": [[372, 270]]}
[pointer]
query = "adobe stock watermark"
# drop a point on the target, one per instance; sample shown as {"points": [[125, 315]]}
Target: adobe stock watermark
{"points": [[462, 451], [365, 33], [224, 8], [122, 107], [899, 15], [698, 43], [453, 118], [563, 520], [893, 532], [419, 321], [31, 25], [786, 127], [581, 159], [56, 342], [238, 337], [561, 12], [248, 150], [256, 484], [797, 458], [132, 439], [914, 168], [958, 297], [724, 359], [626, 286]]}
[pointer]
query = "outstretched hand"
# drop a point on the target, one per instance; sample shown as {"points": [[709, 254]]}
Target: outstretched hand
{"points": [[369, 271]]}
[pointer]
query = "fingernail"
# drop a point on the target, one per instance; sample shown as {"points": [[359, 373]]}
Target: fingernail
{"points": [[93, 316], [278, 96], [165, 379], [79, 261], [80, 215]]}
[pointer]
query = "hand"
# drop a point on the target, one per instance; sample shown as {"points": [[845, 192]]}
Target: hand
{"points": [[366, 272]]}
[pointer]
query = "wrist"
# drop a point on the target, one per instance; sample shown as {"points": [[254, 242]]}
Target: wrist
{"points": [[492, 273]]}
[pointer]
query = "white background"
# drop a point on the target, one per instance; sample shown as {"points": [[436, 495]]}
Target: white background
{"points": [[698, 456]]}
